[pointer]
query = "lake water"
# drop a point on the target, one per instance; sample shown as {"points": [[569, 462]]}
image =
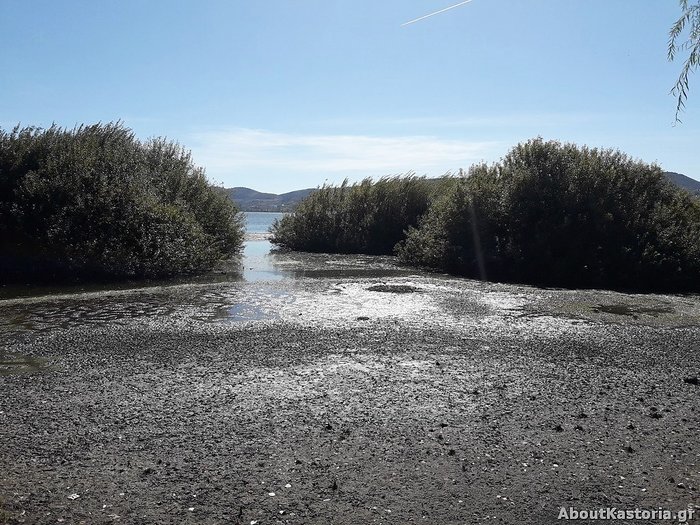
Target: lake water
{"points": [[258, 222], [258, 262]]}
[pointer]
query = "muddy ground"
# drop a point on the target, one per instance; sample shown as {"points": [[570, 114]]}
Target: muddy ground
{"points": [[348, 400]]}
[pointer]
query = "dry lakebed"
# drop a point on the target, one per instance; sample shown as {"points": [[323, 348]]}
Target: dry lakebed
{"points": [[345, 390]]}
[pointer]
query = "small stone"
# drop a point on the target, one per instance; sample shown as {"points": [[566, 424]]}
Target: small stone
{"points": [[559, 428], [692, 380]]}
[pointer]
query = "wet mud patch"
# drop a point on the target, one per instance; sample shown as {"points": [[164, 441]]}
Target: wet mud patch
{"points": [[12, 364], [633, 311], [239, 313]]}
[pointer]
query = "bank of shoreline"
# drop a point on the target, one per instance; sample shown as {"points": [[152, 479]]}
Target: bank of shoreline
{"points": [[450, 402]]}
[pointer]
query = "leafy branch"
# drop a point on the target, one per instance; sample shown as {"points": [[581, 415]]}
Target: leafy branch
{"points": [[689, 21]]}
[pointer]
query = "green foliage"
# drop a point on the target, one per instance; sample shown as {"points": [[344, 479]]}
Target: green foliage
{"points": [[554, 214], [369, 217], [94, 202], [688, 23]]}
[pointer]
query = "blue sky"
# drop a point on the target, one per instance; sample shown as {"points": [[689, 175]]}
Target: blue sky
{"points": [[284, 94]]}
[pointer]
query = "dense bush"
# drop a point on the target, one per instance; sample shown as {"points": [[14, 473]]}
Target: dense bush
{"points": [[94, 202], [369, 217], [554, 214]]}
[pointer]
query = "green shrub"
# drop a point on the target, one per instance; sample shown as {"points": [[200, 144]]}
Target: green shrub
{"points": [[555, 214], [369, 217], [96, 203]]}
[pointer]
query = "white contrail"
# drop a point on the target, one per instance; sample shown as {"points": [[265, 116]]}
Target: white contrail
{"points": [[436, 13]]}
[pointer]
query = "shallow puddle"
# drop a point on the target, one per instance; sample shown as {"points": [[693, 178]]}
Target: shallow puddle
{"points": [[12, 364]]}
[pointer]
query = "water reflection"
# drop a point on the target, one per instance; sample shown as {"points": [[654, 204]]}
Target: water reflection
{"points": [[262, 261], [259, 264]]}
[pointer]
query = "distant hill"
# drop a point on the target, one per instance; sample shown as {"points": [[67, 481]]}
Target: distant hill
{"points": [[692, 185], [251, 200]]}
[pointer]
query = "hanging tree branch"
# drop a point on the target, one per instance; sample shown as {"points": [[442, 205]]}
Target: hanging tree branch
{"points": [[690, 21]]}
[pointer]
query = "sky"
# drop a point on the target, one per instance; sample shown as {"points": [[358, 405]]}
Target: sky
{"points": [[279, 95]]}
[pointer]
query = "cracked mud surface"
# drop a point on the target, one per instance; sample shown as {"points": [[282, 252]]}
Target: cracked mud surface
{"points": [[334, 400]]}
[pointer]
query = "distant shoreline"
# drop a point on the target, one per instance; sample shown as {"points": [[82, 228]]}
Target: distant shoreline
{"points": [[264, 236]]}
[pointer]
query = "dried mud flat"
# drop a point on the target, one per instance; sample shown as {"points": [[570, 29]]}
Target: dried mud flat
{"points": [[346, 400]]}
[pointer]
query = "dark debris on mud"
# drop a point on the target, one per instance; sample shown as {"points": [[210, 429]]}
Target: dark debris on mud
{"points": [[393, 288]]}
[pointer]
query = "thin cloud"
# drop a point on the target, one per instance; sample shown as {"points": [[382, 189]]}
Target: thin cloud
{"points": [[235, 152]]}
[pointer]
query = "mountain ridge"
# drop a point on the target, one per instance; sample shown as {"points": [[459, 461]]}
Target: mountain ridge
{"points": [[248, 199]]}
